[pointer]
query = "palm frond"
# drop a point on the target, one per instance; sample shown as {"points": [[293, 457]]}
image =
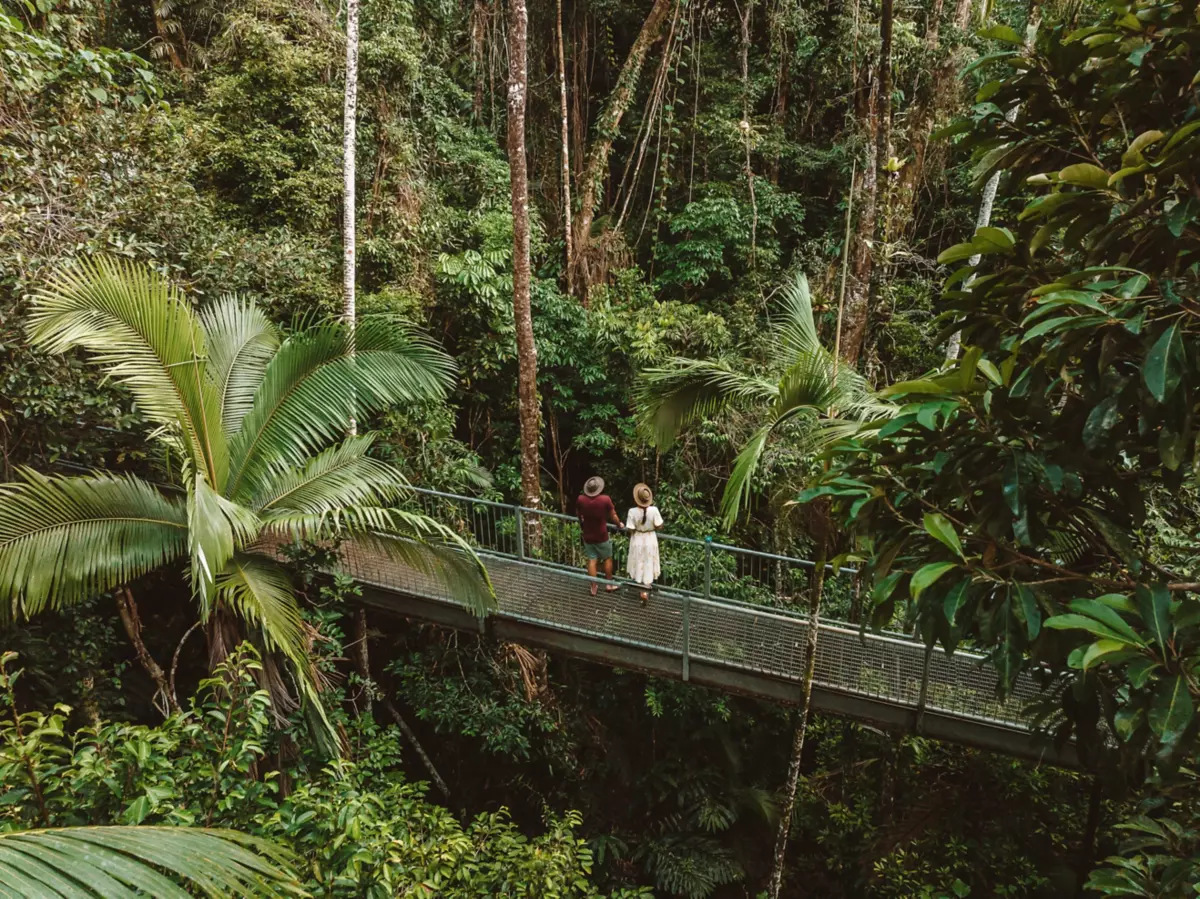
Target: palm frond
{"points": [[341, 476], [261, 592], [139, 329], [323, 377], [101, 862], [241, 341], [809, 383], [409, 538], [217, 528], [794, 327], [64, 540], [688, 390], [740, 485]]}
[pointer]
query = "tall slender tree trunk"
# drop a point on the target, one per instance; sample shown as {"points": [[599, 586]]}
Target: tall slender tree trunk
{"points": [[988, 200], [607, 126], [854, 324], [566, 157], [747, 131], [530, 413], [788, 805], [349, 171], [128, 610]]}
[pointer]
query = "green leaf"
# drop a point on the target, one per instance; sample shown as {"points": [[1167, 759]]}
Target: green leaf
{"points": [[1099, 422], [1030, 611], [1084, 174], [1071, 622], [1172, 709], [956, 599], [923, 578], [940, 528], [1003, 33], [1117, 539], [1010, 480], [1154, 605], [899, 423], [1103, 650], [1163, 368], [989, 369], [1110, 616], [994, 240], [1133, 156], [957, 253]]}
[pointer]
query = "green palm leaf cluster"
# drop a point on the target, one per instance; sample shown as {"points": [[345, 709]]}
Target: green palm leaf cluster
{"points": [[119, 862], [804, 385], [259, 421]]}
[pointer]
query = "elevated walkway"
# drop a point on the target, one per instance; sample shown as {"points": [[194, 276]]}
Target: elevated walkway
{"points": [[724, 617]]}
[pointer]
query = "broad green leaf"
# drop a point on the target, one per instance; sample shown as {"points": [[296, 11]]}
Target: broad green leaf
{"points": [[1099, 422], [1010, 480], [1084, 174], [1172, 709], [957, 253], [1154, 604], [1110, 616], [1071, 622], [956, 599], [1004, 33], [1031, 612], [1164, 364], [940, 528], [924, 577], [990, 371], [994, 240], [1103, 650], [1133, 156]]}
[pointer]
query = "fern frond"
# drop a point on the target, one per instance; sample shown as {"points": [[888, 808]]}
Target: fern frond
{"points": [[64, 540]]}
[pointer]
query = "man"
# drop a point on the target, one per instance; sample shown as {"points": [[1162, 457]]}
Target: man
{"points": [[595, 511]]}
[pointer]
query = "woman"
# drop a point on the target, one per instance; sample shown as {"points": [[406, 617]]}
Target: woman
{"points": [[644, 520]]}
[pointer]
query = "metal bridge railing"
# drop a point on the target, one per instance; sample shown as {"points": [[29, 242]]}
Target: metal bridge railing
{"points": [[717, 603]]}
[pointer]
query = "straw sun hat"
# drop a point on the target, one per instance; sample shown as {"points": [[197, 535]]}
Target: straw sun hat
{"points": [[593, 486], [642, 495]]}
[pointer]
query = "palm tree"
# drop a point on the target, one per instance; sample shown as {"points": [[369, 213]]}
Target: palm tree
{"points": [[813, 399], [87, 862], [803, 390], [258, 423]]}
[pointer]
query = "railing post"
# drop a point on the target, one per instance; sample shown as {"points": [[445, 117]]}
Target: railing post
{"points": [[520, 532], [924, 691], [708, 567], [687, 634]]}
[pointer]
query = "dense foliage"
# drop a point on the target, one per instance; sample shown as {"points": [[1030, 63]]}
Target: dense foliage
{"points": [[1034, 499]]}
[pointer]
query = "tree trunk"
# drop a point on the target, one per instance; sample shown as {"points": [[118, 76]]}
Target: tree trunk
{"points": [[788, 805], [883, 112], [566, 157], [747, 134], [128, 610], [478, 13], [349, 160], [416, 744], [988, 200], [530, 413], [854, 326], [595, 170], [362, 657]]}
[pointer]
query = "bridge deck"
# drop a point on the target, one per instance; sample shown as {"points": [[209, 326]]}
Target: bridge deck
{"points": [[738, 647]]}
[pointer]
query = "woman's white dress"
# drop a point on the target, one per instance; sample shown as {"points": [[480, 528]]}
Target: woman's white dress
{"points": [[643, 563]]}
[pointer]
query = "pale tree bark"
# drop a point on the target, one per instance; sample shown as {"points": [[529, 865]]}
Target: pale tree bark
{"points": [[854, 325], [566, 157], [747, 132], [596, 167], [128, 610], [788, 804], [528, 407], [349, 161], [988, 200], [420, 750]]}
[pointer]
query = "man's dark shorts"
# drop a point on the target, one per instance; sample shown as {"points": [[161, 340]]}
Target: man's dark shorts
{"points": [[601, 552]]}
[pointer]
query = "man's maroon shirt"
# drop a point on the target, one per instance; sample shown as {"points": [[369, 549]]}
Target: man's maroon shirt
{"points": [[594, 514]]}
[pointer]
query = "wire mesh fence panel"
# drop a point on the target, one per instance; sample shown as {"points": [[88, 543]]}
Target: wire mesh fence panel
{"points": [[718, 604]]}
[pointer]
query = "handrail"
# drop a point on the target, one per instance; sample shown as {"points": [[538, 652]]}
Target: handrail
{"points": [[707, 542]]}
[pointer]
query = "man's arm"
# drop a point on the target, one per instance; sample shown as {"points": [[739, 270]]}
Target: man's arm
{"points": [[612, 514]]}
